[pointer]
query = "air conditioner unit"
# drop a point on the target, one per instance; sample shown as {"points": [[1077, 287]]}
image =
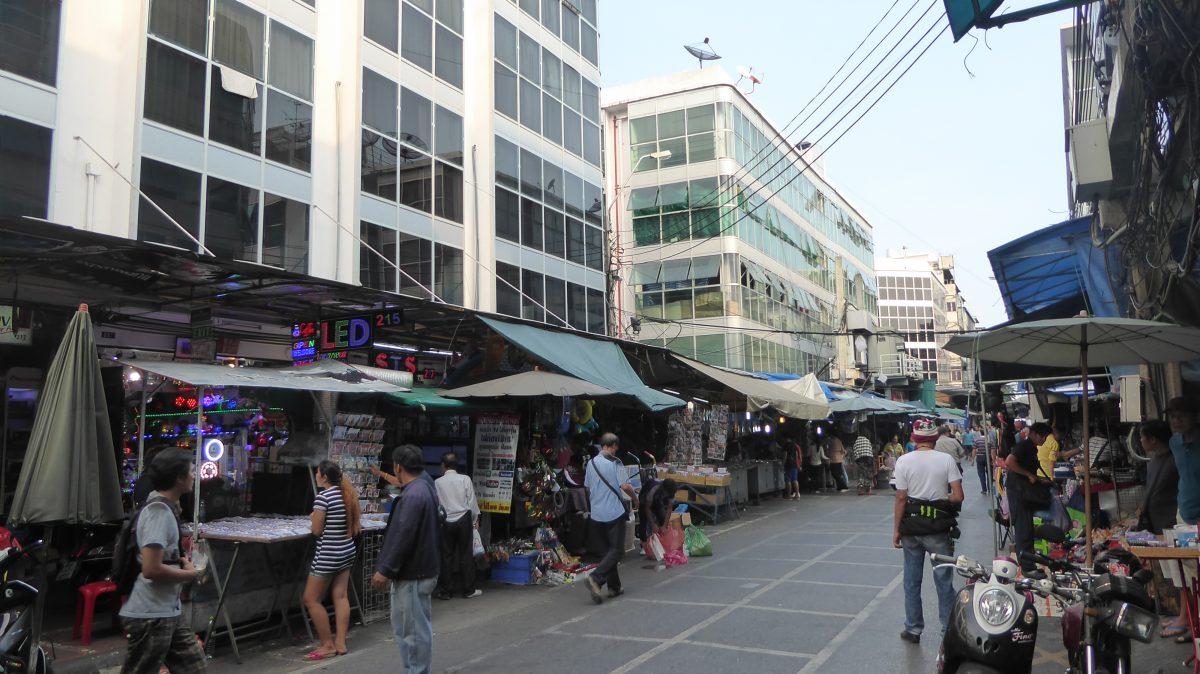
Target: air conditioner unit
{"points": [[1130, 387], [1091, 165]]}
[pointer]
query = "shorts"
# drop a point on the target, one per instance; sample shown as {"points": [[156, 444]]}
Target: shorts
{"points": [[154, 642], [793, 474]]}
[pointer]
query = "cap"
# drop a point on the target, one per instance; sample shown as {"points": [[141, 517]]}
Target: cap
{"points": [[1182, 404], [924, 430]]}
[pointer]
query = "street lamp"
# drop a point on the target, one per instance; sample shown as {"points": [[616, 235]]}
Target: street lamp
{"points": [[660, 155], [614, 262]]}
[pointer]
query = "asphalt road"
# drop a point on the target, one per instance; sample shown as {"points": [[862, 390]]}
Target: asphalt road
{"points": [[794, 586]]}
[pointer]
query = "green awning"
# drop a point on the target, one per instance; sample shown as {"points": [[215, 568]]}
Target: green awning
{"points": [[596, 360], [428, 399]]}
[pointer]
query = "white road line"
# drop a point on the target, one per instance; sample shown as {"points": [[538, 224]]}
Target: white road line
{"points": [[825, 582], [610, 637], [683, 636], [853, 625], [780, 609], [673, 602], [747, 649]]}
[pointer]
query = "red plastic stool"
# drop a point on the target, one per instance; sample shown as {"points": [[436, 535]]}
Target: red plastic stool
{"points": [[85, 608]]}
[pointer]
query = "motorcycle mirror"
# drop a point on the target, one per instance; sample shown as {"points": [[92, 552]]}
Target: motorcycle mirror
{"points": [[1049, 532], [1033, 558]]}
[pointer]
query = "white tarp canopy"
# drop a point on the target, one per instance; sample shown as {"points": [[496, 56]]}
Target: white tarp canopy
{"points": [[324, 376], [761, 394]]}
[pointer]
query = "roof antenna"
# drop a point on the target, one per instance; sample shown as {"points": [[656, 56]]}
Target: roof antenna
{"points": [[745, 73], [702, 52]]}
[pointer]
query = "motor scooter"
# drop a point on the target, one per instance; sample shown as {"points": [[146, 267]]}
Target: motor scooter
{"points": [[993, 623], [18, 650]]}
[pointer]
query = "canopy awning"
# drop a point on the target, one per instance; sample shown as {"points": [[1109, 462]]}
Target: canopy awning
{"points": [[532, 384], [865, 402], [428, 398], [761, 394], [594, 360], [324, 376]]}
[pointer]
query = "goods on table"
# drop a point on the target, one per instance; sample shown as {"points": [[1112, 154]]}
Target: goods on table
{"points": [[718, 431], [543, 560], [267, 528]]}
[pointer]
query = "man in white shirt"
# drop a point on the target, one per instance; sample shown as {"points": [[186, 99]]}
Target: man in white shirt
{"points": [[928, 493], [456, 494]]}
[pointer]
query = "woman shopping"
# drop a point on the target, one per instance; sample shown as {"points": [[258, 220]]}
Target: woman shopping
{"points": [[336, 521]]}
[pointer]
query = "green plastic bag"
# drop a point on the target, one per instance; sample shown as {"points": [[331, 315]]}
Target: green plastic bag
{"points": [[698, 545]]}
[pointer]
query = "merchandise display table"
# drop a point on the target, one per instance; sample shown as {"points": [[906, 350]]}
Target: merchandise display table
{"points": [[266, 534], [1182, 567]]}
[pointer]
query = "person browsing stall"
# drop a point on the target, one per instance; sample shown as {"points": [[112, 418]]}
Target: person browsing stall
{"points": [[1021, 466], [1160, 505], [409, 561], [336, 521], [1185, 447], [611, 497], [150, 618], [456, 494], [928, 496]]}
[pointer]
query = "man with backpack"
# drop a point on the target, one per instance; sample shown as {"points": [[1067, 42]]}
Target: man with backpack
{"points": [[150, 618]]}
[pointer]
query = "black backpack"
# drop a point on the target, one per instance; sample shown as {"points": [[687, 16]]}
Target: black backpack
{"points": [[125, 565]]}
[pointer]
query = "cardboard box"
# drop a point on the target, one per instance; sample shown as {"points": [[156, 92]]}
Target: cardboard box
{"points": [[681, 496], [719, 481], [686, 519]]}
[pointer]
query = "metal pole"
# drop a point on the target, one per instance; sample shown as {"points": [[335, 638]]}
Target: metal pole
{"points": [[1087, 453], [199, 450], [142, 430]]}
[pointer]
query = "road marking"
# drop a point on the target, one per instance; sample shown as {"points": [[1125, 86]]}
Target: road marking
{"points": [[825, 582], [747, 649], [852, 626], [686, 634], [804, 611]]}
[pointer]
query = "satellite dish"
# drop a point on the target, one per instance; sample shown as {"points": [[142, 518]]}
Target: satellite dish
{"points": [[702, 52], [745, 73]]}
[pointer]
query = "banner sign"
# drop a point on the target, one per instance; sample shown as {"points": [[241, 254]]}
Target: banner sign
{"points": [[496, 438]]}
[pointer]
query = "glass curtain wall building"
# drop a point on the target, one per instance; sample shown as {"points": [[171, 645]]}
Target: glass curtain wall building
{"points": [[726, 245], [918, 300]]}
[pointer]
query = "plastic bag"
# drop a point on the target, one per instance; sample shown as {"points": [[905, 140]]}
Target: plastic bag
{"points": [[654, 548], [698, 544], [476, 543], [671, 538], [675, 558]]}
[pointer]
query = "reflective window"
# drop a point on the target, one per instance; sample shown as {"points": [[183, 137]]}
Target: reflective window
{"points": [[595, 248], [180, 22], [379, 102], [508, 162], [552, 179], [285, 233], [231, 220], [373, 270], [552, 119], [531, 224], [381, 22], [506, 91], [416, 265], [508, 216], [572, 132], [575, 243], [416, 38], [174, 88], [176, 191], [572, 87], [531, 112], [416, 120], [551, 74], [556, 301], [508, 294], [289, 131], [238, 37], [448, 136], [595, 311], [591, 143], [532, 295], [506, 42], [531, 174], [588, 44], [550, 15], [591, 101], [555, 233], [291, 61], [378, 165], [448, 186], [576, 307], [25, 169], [449, 57], [450, 14], [570, 27], [234, 119], [531, 65], [448, 274], [416, 179]]}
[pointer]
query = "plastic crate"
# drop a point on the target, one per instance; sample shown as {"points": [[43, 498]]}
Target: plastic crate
{"points": [[518, 570]]}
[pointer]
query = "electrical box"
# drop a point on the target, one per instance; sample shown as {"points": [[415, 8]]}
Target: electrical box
{"points": [[1130, 387], [1091, 165]]}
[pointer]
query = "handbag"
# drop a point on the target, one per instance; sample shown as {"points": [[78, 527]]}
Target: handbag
{"points": [[1038, 496], [476, 543], [626, 503]]}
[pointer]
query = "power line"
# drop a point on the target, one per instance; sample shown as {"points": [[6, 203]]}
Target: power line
{"points": [[808, 164]]}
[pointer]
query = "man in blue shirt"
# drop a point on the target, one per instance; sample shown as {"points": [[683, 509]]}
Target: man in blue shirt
{"points": [[611, 497], [1185, 446]]}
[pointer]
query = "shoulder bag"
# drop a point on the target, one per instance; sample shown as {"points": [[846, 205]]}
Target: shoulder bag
{"points": [[626, 503]]}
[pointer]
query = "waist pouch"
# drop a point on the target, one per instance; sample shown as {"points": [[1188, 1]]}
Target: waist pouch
{"points": [[924, 518]]}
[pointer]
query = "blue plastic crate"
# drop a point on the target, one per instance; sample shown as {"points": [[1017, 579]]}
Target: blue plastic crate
{"points": [[518, 570]]}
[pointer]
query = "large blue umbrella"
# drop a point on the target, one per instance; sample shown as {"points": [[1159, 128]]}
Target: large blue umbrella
{"points": [[70, 469]]}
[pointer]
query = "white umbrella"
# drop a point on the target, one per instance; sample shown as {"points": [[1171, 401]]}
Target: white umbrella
{"points": [[531, 384], [1086, 340]]}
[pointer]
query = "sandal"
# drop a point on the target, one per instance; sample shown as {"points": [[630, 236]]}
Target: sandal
{"points": [[318, 655], [1172, 631]]}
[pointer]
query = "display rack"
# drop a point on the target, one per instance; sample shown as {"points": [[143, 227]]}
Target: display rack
{"points": [[357, 443]]}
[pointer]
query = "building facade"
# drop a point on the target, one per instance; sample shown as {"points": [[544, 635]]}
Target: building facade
{"points": [[726, 245], [919, 300], [446, 149]]}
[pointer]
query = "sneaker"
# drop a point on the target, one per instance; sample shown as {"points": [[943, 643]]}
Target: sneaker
{"points": [[613, 594], [843, 491], [594, 588], [476, 593], [444, 596], [910, 637]]}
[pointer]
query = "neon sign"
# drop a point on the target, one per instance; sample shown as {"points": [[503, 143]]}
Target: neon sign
{"points": [[214, 449]]}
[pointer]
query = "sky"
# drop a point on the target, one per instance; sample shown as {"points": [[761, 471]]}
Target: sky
{"points": [[964, 154]]}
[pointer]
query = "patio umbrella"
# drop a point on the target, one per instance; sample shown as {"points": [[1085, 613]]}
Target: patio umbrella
{"points": [[530, 384], [70, 469], [869, 403], [1089, 341]]}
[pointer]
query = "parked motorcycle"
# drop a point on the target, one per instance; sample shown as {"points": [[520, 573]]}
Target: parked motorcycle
{"points": [[1105, 612], [19, 651], [993, 623]]}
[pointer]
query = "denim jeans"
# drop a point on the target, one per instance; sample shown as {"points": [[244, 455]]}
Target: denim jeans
{"points": [[915, 549], [412, 623], [981, 466]]}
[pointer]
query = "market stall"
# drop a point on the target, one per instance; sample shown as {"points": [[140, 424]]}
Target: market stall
{"points": [[262, 557]]}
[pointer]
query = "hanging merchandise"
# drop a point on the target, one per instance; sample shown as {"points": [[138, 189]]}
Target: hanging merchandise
{"points": [[685, 432], [583, 417], [718, 431], [357, 443]]}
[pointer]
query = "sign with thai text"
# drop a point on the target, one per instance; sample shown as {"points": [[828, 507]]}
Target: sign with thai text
{"points": [[496, 437]]}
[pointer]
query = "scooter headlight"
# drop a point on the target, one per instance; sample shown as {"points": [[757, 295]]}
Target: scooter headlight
{"points": [[996, 607]]}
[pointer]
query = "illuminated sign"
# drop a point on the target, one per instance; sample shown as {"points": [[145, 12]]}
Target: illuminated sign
{"points": [[214, 449], [208, 470], [335, 338]]}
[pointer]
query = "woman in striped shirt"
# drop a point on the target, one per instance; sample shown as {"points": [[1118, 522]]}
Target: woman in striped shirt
{"points": [[336, 521]]}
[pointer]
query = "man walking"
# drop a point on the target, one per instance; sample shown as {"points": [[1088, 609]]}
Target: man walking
{"points": [[456, 494], [977, 452], [864, 460], [928, 495], [611, 497], [150, 618], [1021, 468], [948, 445], [408, 561]]}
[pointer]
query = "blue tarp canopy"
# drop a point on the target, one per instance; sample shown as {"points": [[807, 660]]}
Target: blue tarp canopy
{"points": [[597, 361], [1054, 266]]}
